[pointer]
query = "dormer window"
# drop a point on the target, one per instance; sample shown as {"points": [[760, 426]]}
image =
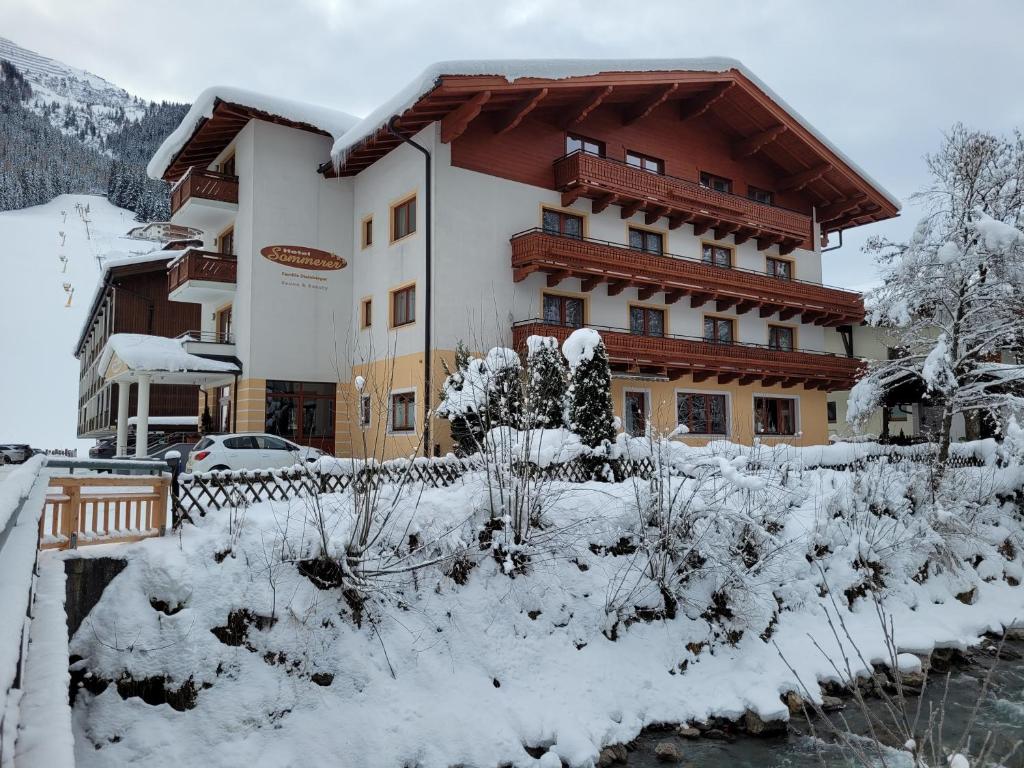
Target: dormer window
{"points": [[575, 143], [717, 183]]}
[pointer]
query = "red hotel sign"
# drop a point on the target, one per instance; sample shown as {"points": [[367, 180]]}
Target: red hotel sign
{"points": [[300, 257]]}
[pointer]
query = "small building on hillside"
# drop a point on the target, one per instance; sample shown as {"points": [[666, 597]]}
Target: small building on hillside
{"points": [[163, 232]]}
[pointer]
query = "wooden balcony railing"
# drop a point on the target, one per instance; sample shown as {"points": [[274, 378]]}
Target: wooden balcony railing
{"points": [[673, 356], [194, 264], [597, 261], [205, 185], [612, 182]]}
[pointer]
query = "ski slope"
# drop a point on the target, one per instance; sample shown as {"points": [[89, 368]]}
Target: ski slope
{"points": [[38, 373]]}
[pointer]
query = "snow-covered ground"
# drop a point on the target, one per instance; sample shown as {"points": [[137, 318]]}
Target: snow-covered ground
{"points": [[561, 643], [39, 379]]}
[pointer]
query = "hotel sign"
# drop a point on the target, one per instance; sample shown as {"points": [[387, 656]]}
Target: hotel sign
{"points": [[300, 257]]}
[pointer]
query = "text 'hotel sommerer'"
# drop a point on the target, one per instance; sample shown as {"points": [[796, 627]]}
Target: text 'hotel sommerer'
{"points": [[679, 207]]}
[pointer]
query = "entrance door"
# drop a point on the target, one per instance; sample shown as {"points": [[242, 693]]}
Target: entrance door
{"points": [[635, 421]]}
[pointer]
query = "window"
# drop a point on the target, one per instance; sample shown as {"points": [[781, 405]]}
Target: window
{"points": [[366, 313], [574, 143], [559, 223], [368, 230], [831, 410], [635, 415], [780, 337], [403, 219], [900, 412], [719, 255], [226, 243], [272, 443], [403, 306], [645, 162], [774, 416], [717, 183], [364, 410], [301, 411], [563, 310], [246, 443], [759, 195], [718, 330], [403, 412], [645, 240], [646, 321], [702, 414], [780, 268]]}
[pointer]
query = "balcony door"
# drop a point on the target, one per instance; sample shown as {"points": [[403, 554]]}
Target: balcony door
{"points": [[563, 310]]}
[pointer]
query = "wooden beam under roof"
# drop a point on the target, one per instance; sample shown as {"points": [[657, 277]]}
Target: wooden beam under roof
{"points": [[644, 107], [841, 207], [587, 105], [798, 181], [701, 103], [514, 116], [456, 122], [754, 144]]}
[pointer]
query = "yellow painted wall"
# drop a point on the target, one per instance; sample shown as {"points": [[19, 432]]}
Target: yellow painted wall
{"points": [[811, 418], [251, 405]]}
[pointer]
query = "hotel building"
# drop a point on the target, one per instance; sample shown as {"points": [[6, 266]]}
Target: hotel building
{"points": [[678, 207]]}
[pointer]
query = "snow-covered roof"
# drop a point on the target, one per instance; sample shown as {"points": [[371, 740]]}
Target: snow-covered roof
{"points": [[560, 69], [331, 121], [143, 353]]}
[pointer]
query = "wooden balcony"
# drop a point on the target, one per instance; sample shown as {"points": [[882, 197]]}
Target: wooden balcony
{"points": [[674, 356], [199, 184], [197, 276], [612, 182], [596, 261]]}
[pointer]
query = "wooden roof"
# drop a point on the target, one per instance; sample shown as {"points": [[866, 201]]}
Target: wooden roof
{"points": [[213, 134], [734, 104]]}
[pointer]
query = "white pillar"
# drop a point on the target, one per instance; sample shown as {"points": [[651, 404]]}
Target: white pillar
{"points": [[142, 418], [124, 388]]}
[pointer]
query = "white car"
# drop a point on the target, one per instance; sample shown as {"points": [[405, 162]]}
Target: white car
{"points": [[250, 450]]}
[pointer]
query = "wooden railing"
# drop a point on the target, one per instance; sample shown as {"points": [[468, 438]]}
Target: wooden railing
{"points": [[194, 264], [103, 509], [205, 185], [603, 176], [598, 261], [747, 363]]}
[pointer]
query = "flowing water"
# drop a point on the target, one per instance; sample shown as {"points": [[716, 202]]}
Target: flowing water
{"points": [[1000, 713]]}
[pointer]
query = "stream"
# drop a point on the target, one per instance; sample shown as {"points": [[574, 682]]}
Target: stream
{"points": [[1001, 713]]}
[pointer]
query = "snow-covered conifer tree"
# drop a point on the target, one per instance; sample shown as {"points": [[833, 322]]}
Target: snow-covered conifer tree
{"points": [[953, 296], [546, 383], [590, 412]]}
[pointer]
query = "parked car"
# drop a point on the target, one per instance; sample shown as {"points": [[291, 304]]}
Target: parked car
{"points": [[15, 453], [105, 448], [254, 450]]}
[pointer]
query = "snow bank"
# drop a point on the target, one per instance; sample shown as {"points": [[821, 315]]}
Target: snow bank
{"points": [[331, 121], [45, 738], [157, 353], [560, 69]]}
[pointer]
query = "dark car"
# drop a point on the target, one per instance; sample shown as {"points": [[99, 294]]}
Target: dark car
{"points": [[105, 448]]}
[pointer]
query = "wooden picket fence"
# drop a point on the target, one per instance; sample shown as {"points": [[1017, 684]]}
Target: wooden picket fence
{"points": [[103, 509]]}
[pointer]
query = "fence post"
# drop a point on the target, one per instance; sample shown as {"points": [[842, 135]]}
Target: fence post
{"points": [[71, 522], [160, 513]]}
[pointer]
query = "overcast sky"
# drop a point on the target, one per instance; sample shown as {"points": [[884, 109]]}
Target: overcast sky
{"points": [[881, 79]]}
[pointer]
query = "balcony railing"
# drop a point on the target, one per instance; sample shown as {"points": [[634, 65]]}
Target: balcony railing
{"points": [[672, 356], [208, 337], [613, 182], [207, 266], [619, 266], [204, 185]]}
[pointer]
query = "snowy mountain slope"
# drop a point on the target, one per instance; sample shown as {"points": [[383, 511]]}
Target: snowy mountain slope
{"points": [[73, 100], [39, 381]]}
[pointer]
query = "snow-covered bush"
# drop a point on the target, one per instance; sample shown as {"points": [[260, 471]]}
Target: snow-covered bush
{"points": [[590, 412], [481, 394], [546, 383]]}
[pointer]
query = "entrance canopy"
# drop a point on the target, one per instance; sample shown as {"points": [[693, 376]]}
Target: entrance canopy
{"points": [[127, 356]]}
